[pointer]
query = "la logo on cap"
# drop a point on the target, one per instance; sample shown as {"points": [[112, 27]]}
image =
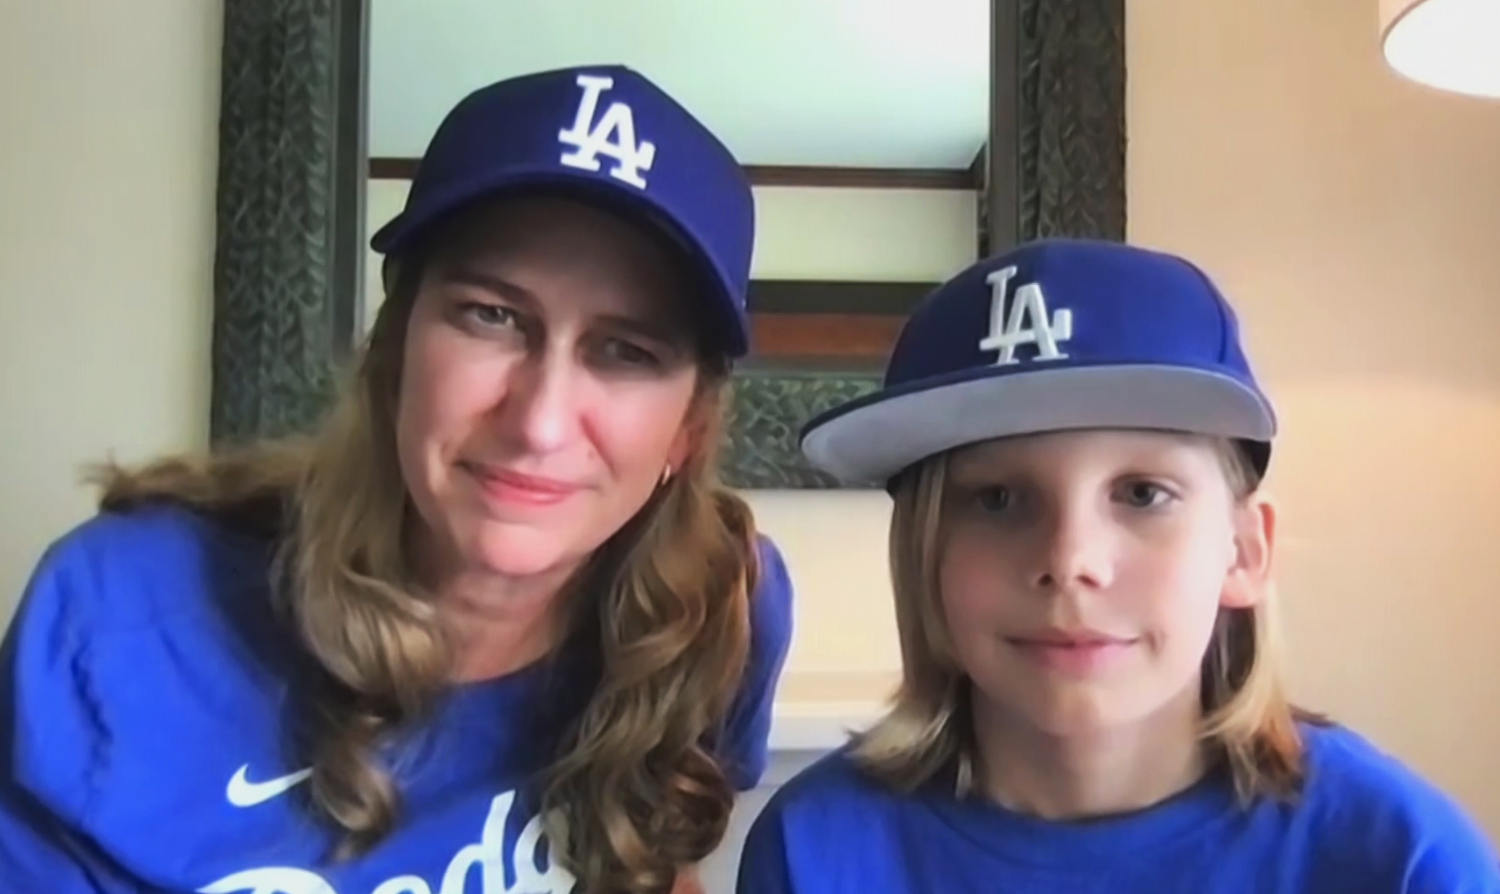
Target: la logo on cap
{"points": [[612, 135], [1026, 323]]}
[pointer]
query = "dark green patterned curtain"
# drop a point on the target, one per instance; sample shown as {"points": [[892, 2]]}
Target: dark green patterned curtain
{"points": [[1071, 80], [290, 194]]}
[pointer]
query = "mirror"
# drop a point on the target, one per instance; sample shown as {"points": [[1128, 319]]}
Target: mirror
{"points": [[889, 145], [860, 127]]}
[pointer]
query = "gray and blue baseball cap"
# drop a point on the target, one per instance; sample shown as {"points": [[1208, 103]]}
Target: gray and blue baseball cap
{"points": [[1053, 335]]}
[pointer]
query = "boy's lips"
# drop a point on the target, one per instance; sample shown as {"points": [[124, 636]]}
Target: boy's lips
{"points": [[1073, 651]]}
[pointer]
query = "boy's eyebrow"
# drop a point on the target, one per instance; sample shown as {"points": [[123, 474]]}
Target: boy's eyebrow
{"points": [[987, 466], [985, 469]]}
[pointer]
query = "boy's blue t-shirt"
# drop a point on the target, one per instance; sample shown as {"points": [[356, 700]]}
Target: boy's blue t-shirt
{"points": [[1363, 824], [145, 702]]}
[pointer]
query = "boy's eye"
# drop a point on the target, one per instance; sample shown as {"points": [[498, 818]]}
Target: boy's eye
{"points": [[995, 498], [1143, 494]]}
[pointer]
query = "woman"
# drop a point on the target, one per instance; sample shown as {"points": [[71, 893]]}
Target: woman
{"points": [[495, 627]]}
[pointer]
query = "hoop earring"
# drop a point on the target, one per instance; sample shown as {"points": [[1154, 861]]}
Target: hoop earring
{"points": [[666, 475]]}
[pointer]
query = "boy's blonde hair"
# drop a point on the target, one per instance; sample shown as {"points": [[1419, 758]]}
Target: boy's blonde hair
{"points": [[1246, 715]]}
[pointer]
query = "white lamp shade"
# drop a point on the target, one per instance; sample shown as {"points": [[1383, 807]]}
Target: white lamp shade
{"points": [[1449, 44]]}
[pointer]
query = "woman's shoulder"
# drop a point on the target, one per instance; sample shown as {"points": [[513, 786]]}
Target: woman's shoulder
{"points": [[769, 561], [121, 569], [140, 631], [148, 529], [133, 605], [770, 621], [772, 599], [1366, 798]]}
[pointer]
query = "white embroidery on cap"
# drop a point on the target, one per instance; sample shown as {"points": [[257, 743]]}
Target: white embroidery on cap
{"points": [[1026, 323], [591, 139]]}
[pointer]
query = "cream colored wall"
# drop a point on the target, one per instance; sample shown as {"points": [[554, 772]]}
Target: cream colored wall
{"points": [[1353, 218], [912, 235], [383, 201], [107, 172]]}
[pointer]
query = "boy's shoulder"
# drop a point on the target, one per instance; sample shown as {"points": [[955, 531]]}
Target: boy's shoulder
{"points": [[1360, 798], [833, 789], [1344, 767]]}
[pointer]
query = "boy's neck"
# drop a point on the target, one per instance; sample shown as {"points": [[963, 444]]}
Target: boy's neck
{"points": [[1098, 773]]}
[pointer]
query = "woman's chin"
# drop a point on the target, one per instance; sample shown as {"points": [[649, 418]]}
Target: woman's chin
{"points": [[513, 551]]}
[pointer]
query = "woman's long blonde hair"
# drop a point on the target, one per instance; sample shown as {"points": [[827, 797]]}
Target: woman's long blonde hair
{"points": [[1247, 717], [633, 793]]}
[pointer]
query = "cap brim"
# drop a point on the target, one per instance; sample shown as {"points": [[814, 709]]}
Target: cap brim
{"points": [[871, 439], [725, 308]]}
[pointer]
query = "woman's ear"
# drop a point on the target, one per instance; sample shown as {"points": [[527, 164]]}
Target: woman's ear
{"points": [[682, 446], [1249, 578], [687, 881], [696, 425], [687, 440]]}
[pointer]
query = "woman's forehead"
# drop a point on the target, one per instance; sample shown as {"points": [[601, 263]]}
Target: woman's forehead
{"points": [[540, 245], [508, 224]]}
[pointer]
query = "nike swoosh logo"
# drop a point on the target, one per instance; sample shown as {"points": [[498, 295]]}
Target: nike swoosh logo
{"points": [[244, 793]]}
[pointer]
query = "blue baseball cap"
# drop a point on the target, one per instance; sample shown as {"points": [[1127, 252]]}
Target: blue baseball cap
{"points": [[1053, 335], [604, 134]]}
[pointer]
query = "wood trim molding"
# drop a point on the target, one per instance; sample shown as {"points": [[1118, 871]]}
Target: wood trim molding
{"points": [[386, 168], [866, 178], [805, 296]]}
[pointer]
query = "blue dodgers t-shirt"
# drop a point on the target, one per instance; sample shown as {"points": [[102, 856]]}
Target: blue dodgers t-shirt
{"points": [[1364, 824], [145, 695]]}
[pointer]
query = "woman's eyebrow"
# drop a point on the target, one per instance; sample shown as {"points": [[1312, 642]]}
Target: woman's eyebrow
{"points": [[646, 328], [497, 285]]}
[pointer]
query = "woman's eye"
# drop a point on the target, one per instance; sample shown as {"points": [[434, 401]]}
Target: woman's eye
{"points": [[493, 316], [619, 351]]}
